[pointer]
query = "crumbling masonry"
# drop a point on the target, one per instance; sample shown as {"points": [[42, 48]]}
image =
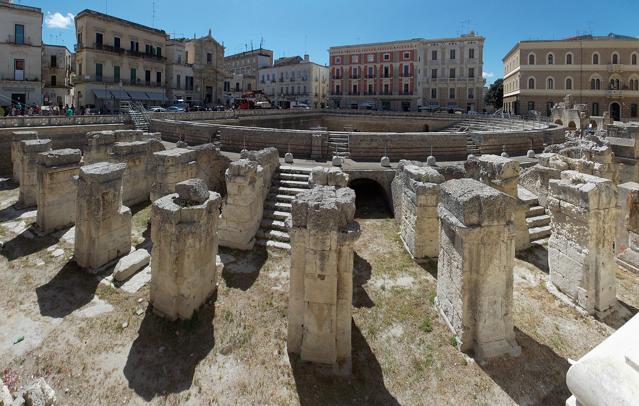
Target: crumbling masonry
{"points": [[28, 157]]}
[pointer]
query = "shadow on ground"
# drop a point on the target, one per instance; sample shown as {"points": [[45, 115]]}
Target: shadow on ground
{"points": [[21, 246], [242, 273], [162, 362], [70, 289], [316, 385], [536, 377], [620, 314], [361, 274], [536, 255]]}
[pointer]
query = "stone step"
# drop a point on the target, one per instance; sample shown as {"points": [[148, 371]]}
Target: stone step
{"points": [[534, 211], [274, 197], [273, 244], [278, 206], [294, 184], [292, 176], [527, 196], [283, 190], [538, 221], [271, 224], [538, 233], [295, 169], [276, 215], [273, 235]]}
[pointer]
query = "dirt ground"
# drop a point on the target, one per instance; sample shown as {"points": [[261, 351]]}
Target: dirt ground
{"points": [[97, 344]]}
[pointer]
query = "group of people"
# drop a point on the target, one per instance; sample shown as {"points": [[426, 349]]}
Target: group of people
{"points": [[22, 109]]}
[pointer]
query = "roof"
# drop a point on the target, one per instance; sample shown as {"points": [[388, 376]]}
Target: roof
{"points": [[21, 7], [288, 60], [120, 20], [464, 37], [259, 51]]}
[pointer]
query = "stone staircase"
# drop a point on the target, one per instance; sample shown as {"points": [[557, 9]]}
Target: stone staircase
{"points": [[471, 147], [537, 219], [338, 144], [137, 114], [287, 182]]}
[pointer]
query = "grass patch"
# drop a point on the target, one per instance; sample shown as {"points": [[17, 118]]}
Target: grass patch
{"points": [[426, 326]]}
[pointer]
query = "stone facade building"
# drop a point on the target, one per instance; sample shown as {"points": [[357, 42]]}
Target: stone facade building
{"points": [[21, 50], [56, 76], [409, 74], [295, 80], [599, 71], [241, 71], [179, 73]]}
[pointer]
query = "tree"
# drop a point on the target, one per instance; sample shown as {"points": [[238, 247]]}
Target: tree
{"points": [[495, 94]]}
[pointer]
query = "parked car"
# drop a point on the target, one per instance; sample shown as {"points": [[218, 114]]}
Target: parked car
{"points": [[176, 109], [157, 109], [197, 108], [300, 106]]}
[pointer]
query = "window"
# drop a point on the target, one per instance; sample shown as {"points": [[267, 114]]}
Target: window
{"points": [[53, 80], [158, 78], [158, 51], [54, 61], [452, 54], [370, 71], [116, 42], [433, 93], [551, 59], [531, 105], [634, 84], [471, 93], [387, 57], [433, 55], [633, 110], [405, 88], [595, 84], [471, 72], [337, 89], [188, 82], [98, 72], [386, 89], [433, 73], [595, 109], [80, 69], [386, 72], [531, 83], [406, 55], [568, 59], [209, 58], [451, 93], [568, 84], [98, 39], [531, 59], [354, 89], [338, 60], [633, 59], [147, 77], [471, 53], [615, 59], [406, 70], [116, 74], [79, 39], [451, 73], [134, 76], [370, 88], [19, 33], [595, 59], [355, 59], [370, 58], [550, 84]]}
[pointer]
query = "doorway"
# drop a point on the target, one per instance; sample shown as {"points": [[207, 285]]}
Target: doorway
{"points": [[615, 111]]}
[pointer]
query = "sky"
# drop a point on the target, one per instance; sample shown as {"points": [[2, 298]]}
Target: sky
{"points": [[296, 27]]}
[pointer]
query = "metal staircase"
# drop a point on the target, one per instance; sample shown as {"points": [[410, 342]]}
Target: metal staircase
{"points": [[287, 182], [137, 113]]}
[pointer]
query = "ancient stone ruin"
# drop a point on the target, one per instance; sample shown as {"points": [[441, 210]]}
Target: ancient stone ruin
{"points": [[581, 248], [102, 224], [321, 278], [137, 179], [321, 176], [185, 243], [475, 284], [171, 167], [16, 137], [627, 238], [28, 156]]}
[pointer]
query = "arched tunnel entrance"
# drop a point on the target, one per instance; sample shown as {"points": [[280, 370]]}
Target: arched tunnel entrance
{"points": [[370, 199]]}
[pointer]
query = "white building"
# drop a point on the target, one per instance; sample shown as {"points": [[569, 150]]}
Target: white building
{"points": [[56, 76], [20, 54], [295, 79]]}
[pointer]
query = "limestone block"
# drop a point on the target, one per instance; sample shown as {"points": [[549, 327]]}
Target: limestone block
{"points": [[322, 236], [243, 207], [170, 167], [99, 145], [28, 151], [102, 225], [475, 284], [138, 176], [269, 160], [16, 137], [581, 247], [128, 135], [385, 162], [128, 265], [609, 374], [337, 161], [321, 176], [185, 245], [319, 141], [56, 188], [288, 158], [627, 237], [211, 166]]}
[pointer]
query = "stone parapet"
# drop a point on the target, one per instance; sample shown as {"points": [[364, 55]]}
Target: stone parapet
{"points": [[27, 153], [322, 176], [172, 166]]}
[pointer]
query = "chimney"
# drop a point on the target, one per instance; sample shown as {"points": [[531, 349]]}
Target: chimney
{"points": [[305, 57]]}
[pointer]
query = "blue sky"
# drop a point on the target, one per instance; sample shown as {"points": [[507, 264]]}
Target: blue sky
{"points": [[292, 27]]}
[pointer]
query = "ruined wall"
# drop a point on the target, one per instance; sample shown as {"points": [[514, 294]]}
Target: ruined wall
{"points": [[140, 169], [16, 158], [171, 167], [269, 160], [27, 155], [211, 166]]}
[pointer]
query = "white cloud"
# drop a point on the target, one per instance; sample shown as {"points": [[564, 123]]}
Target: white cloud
{"points": [[58, 20], [487, 75]]}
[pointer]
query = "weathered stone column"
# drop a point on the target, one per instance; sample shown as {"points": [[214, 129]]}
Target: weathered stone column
{"points": [[211, 166], [318, 142], [269, 160], [475, 267], [139, 173], [321, 176], [581, 247], [99, 145], [171, 167], [244, 205], [321, 282], [628, 242], [102, 224], [185, 243], [28, 151], [16, 137], [56, 188]]}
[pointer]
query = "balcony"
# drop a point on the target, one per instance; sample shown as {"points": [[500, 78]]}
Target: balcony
{"points": [[121, 51], [115, 82], [614, 93], [406, 75], [612, 68], [18, 78], [11, 39]]}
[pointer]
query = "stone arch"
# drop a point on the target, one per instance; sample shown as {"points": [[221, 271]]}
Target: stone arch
{"points": [[572, 126], [380, 177], [370, 199]]}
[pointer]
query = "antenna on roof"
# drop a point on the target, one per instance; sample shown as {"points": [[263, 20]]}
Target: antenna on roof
{"points": [[251, 45], [153, 18], [261, 42], [106, 7]]}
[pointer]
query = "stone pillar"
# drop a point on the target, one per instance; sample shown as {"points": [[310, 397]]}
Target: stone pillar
{"points": [[211, 166], [581, 247], [321, 281], [171, 167], [244, 205], [419, 222], [102, 224], [475, 267], [16, 137], [99, 145], [318, 140], [138, 176], [185, 243], [128, 135], [503, 174], [628, 257], [269, 160], [56, 188], [321, 176], [27, 154]]}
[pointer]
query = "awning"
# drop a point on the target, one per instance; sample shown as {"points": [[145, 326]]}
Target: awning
{"points": [[156, 96], [119, 94], [101, 93], [136, 95]]}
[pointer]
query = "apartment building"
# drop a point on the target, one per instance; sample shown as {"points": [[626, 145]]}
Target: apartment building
{"points": [[409, 75], [599, 71], [118, 60], [56, 76], [242, 69], [295, 79], [180, 83], [21, 51]]}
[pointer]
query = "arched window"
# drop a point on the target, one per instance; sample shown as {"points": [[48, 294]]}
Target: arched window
{"points": [[633, 59], [569, 84], [568, 59], [592, 84], [531, 83], [551, 59], [634, 84], [531, 59], [597, 84], [595, 59], [550, 84], [615, 58]]}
